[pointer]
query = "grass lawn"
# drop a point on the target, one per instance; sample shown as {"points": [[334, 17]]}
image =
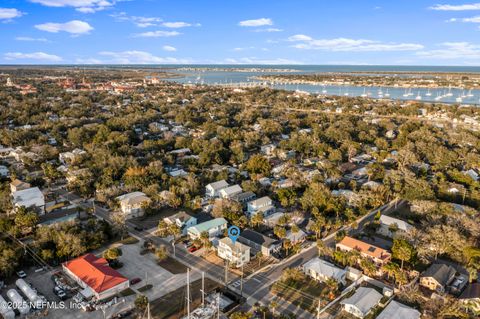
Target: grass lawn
{"points": [[172, 305], [172, 266], [145, 288], [296, 295]]}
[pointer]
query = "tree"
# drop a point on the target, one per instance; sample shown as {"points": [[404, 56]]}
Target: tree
{"points": [[391, 269], [240, 315], [161, 253], [402, 250], [257, 164], [141, 302], [25, 219], [287, 196], [162, 229], [280, 232], [112, 254], [257, 219]]}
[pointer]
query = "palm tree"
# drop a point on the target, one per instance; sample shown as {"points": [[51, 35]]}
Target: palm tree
{"points": [[391, 269]]}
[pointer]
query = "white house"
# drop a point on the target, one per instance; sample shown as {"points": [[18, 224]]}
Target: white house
{"points": [[213, 227], [230, 191], [296, 237], [393, 227], [263, 205], [30, 197], [236, 254], [268, 149], [3, 171], [182, 220], [362, 302], [67, 157], [132, 204], [322, 270], [396, 310], [212, 190], [18, 185]]}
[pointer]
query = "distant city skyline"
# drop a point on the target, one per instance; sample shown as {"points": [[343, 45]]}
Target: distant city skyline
{"points": [[410, 32]]}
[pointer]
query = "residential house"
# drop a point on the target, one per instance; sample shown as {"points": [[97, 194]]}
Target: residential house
{"points": [[378, 255], [473, 174], [244, 197], [236, 253], [396, 310], [213, 227], [362, 302], [230, 191], [297, 237], [393, 227], [268, 149], [437, 277], [18, 185], [4, 171], [183, 220], [177, 173], [30, 198], [322, 270], [68, 157], [262, 205], [95, 276], [259, 242], [212, 190], [132, 204]]}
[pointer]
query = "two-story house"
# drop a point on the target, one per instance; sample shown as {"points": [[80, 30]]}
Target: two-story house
{"points": [[237, 254], [132, 204]]}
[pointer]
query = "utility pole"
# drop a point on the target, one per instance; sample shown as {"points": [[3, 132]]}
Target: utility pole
{"points": [[203, 289], [318, 309], [188, 293], [218, 305], [241, 282], [226, 273]]}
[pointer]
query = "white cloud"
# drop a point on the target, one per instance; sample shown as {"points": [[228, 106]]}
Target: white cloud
{"points": [[84, 6], [174, 25], [138, 57], [169, 48], [9, 13], [350, 45], [453, 7], [268, 30], [300, 37], [157, 34], [139, 21], [453, 50], [256, 23], [88, 61], [37, 56], [472, 19], [31, 39], [75, 27]]}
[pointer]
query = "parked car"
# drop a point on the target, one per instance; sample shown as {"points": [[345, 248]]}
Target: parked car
{"points": [[21, 274], [135, 281], [138, 228], [187, 244], [192, 249]]}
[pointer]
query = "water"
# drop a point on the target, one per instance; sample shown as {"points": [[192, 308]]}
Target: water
{"points": [[227, 76]]}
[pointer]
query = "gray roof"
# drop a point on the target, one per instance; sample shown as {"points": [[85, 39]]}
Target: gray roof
{"points": [[206, 226], [396, 310], [440, 272], [325, 268], [257, 238], [402, 225], [218, 185], [364, 299]]}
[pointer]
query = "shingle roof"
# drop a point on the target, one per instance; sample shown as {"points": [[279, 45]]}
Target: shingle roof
{"points": [[402, 225], [471, 292], [218, 185], [396, 310], [364, 299], [325, 268], [440, 272], [256, 237]]}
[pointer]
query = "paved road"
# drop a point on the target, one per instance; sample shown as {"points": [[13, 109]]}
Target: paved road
{"points": [[257, 286]]}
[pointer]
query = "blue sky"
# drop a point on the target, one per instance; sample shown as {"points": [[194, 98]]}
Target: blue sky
{"points": [[406, 32]]}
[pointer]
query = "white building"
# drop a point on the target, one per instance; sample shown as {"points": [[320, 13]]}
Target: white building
{"points": [[236, 254], [183, 220], [230, 191], [322, 270], [268, 149], [67, 157], [213, 227], [362, 302], [30, 197], [263, 205], [132, 204], [212, 190], [393, 227]]}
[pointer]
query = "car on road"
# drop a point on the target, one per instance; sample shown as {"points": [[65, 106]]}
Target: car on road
{"points": [[124, 314], [135, 281], [138, 228], [187, 244], [21, 274]]}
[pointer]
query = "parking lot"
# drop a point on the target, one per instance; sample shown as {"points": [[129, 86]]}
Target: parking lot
{"points": [[146, 268]]}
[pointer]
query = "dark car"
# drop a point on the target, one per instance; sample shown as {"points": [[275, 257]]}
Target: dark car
{"points": [[135, 281], [138, 228]]}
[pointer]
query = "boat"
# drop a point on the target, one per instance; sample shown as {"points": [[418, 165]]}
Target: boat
{"points": [[470, 94], [428, 93], [364, 94], [406, 93], [459, 99], [449, 93], [418, 97], [387, 94]]}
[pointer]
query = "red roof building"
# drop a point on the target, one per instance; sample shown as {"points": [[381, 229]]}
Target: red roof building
{"points": [[92, 272]]}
